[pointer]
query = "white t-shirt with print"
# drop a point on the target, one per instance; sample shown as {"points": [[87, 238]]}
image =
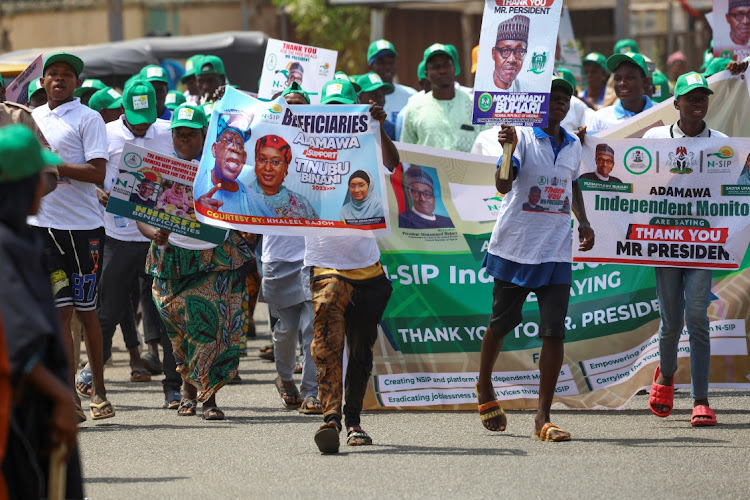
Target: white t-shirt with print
{"points": [[538, 236], [78, 135], [158, 138]]}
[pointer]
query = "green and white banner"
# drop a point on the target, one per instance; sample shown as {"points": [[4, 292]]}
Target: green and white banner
{"points": [[427, 356], [667, 202]]}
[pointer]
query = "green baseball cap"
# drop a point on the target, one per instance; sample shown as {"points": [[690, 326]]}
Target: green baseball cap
{"points": [[154, 73], [380, 48], [690, 81], [453, 51], [89, 85], [614, 61], [435, 49], [597, 58], [187, 115], [420, 71], [296, 88], [174, 99], [34, 87], [191, 66], [106, 98], [717, 65], [210, 65], [563, 84], [139, 101], [567, 75], [21, 155], [370, 82], [74, 61], [661, 86], [208, 108], [626, 45], [338, 92]]}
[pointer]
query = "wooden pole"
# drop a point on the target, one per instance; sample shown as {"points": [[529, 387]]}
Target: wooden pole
{"points": [[57, 472]]}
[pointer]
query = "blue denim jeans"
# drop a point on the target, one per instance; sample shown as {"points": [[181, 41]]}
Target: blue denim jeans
{"points": [[684, 296]]}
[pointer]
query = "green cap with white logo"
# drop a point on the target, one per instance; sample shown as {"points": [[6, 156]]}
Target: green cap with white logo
{"points": [[139, 101], [688, 82], [106, 98], [187, 115]]}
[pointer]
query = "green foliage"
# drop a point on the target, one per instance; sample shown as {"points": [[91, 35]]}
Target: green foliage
{"points": [[345, 29]]}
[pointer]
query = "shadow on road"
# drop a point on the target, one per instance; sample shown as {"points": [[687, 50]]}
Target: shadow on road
{"points": [[115, 480]]}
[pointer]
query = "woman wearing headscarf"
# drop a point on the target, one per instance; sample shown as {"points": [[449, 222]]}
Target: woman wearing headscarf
{"points": [[199, 289], [43, 413], [272, 158], [361, 202]]}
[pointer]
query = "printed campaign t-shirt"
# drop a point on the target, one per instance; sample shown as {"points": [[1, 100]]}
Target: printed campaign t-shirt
{"points": [[395, 101], [77, 134], [531, 229], [158, 138]]}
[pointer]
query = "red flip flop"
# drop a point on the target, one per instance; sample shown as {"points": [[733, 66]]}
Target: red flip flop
{"points": [[703, 411], [661, 395]]}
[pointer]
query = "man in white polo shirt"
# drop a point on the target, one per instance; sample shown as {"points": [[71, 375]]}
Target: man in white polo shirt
{"points": [[125, 248], [69, 219], [684, 294]]}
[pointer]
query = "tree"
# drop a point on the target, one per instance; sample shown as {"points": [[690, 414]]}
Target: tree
{"points": [[345, 29]]}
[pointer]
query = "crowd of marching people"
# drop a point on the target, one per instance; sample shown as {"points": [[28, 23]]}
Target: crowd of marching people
{"points": [[73, 271]]}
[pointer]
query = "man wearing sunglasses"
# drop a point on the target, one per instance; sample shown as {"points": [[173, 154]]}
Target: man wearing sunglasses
{"points": [[509, 50], [605, 161]]}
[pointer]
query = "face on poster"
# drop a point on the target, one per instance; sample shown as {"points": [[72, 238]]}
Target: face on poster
{"points": [[515, 61], [18, 90], [288, 62], [271, 168], [731, 27]]}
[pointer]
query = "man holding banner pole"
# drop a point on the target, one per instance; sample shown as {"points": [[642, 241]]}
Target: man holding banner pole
{"points": [[684, 294], [539, 261]]}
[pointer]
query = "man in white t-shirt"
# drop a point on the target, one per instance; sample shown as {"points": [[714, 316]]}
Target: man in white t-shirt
{"points": [[381, 58], [350, 292], [539, 261], [69, 219], [125, 248], [684, 294]]}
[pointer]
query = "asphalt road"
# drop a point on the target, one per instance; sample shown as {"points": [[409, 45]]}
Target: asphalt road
{"points": [[262, 450]]}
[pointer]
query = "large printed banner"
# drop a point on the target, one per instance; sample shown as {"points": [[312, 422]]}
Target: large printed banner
{"points": [[287, 62], [271, 168], [667, 202], [515, 62], [158, 189], [731, 27], [427, 355]]}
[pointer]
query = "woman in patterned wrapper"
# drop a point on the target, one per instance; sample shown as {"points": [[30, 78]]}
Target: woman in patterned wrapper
{"points": [[272, 158]]}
